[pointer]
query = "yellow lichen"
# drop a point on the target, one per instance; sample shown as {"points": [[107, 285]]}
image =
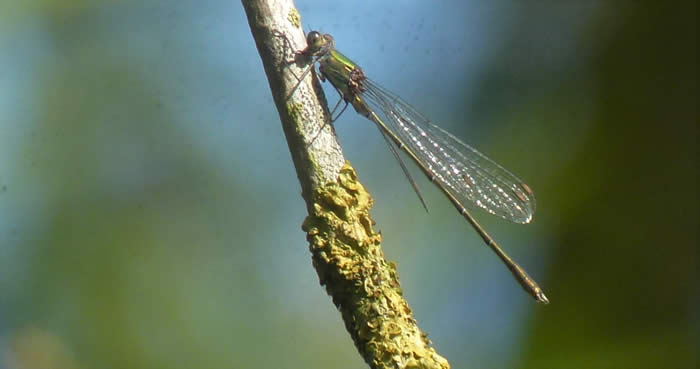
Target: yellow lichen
{"points": [[294, 18]]}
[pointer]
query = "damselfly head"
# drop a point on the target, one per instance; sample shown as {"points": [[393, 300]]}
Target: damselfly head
{"points": [[318, 42], [313, 38]]}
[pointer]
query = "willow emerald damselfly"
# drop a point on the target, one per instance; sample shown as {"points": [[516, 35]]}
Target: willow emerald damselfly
{"points": [[463, 174]]}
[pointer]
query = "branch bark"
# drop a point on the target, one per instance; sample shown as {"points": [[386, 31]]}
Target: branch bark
{"points": [[346, 251]]}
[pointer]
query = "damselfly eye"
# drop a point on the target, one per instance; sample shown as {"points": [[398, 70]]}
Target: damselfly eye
{"points": [[312, 37]]}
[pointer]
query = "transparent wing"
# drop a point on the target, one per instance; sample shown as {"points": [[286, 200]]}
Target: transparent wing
{"points": [[471, 177]]}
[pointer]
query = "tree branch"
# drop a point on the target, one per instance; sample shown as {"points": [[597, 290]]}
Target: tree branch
{"points": [[346, 251]]}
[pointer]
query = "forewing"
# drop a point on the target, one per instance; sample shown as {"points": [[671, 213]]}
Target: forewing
{"points": [[472, 178]]}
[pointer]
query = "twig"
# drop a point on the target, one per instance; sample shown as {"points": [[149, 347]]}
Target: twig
{"points": [[345, 249]]}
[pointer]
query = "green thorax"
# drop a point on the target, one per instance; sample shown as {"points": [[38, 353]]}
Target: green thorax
{"points": [[346, 76], [337, 67]]}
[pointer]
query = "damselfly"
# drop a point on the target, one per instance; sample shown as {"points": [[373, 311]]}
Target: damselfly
{"points": [[463, 174]]}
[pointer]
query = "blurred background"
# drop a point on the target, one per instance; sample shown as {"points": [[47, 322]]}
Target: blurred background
{"points": [[150, 215]]}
